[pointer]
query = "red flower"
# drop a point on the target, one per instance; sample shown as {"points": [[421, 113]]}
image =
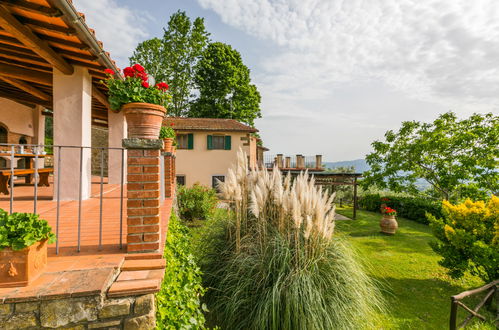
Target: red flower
{"points": [[145, 84], [163, 86], [129, 72], [138, 68], [109, 71], [171, 124]]}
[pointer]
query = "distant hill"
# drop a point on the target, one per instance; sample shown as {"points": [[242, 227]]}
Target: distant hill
{"points": [[360, 165]]}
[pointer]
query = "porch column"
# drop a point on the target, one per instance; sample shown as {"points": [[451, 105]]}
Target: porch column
{"points": [[72, 101], [117, 130], [38, 126], [143, 194]]}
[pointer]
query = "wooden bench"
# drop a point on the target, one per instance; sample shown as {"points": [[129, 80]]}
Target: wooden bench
{"points": [[5, 176]]}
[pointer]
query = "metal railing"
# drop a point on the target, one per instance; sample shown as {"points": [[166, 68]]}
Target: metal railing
{"points": [[18, 151]]}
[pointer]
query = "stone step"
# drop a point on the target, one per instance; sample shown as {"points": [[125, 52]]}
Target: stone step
{"points": [[140, 256], [143, 264], [129, 288]]}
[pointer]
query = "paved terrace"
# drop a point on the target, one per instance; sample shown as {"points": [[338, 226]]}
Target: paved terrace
{"points": [[72, 273]]}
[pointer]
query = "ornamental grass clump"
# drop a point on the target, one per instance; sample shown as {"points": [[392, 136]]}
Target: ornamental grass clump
{"points": [[277, 263]]}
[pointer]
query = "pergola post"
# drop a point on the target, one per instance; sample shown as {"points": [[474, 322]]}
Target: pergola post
{"points": [[72, 99], [117, 132]]}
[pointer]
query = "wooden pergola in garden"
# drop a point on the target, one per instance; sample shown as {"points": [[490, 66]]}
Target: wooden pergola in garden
{"points": [[328, 179]]}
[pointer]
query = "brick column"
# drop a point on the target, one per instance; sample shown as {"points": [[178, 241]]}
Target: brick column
{"points": [[318, 162], [143, 195], [279, 161], [169, 175]]}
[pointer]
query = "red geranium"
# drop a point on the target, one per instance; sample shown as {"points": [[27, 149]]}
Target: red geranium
{"points": [[138, 67], [145, 84], [163, 86], [109, 71], [129, 72], [389, 211]]}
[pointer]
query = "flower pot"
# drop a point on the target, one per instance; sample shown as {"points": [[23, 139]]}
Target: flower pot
{"points": [[167, 144], [19, 268], [388, 224], [143, 119]]}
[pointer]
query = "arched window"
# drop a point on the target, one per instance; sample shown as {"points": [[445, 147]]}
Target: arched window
{"points": [[3, 134], [23, 140]]}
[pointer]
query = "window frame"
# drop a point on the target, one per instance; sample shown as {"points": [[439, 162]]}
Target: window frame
{"points": [[183, 135], [219, 136], [181, 176]]}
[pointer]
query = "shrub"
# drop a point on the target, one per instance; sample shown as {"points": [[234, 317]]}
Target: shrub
{"points": [[21, 230], [197, 202], [178, 301], [468, 238], [166, 132], [278, 264], [412, 208]]}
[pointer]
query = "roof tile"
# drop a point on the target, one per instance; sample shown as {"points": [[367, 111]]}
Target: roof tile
{"points": [[207, 124]]}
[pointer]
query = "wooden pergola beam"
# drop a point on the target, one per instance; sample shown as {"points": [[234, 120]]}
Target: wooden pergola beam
{"points": [[9, 23], [26, 75], [23, 100], [33, 8], [100, 97], [27, 88]]}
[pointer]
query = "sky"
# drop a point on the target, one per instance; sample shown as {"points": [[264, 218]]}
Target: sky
{"points": [[335, 75]]}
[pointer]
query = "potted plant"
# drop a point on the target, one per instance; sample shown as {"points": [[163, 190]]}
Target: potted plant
{"points": [[144, 105], [23, 247], [167, 134], [388, 223]]}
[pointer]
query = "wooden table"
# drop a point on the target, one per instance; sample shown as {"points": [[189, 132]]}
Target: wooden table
{"points": [[29, 163]]}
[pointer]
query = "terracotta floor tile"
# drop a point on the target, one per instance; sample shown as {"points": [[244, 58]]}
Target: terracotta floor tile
{"points": [[133, 275], [125, 288]]}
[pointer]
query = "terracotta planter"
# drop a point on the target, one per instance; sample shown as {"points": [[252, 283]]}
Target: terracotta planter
{"points": [[143, 119], [388, 224], [19, 268], [168, 144]]}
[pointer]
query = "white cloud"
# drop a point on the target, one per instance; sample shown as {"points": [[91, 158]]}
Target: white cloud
{"points": [[439, 50], [118, 27]]}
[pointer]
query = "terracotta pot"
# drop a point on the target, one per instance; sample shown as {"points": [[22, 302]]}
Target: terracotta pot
{"points": [[143, 119], [19, 268], [167, 144], [388, 224]]}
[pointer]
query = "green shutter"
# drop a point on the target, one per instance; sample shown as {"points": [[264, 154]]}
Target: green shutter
{"points": [[227, 142], [210, 142], [190, 141]]}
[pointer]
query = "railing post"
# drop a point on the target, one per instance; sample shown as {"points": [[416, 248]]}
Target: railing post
{"points": [[143, 194]]}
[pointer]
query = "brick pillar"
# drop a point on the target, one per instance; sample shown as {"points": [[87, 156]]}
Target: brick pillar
{"points": [[288, 162], [300, 162], [143, 194], [279, 160], [318, 162]]}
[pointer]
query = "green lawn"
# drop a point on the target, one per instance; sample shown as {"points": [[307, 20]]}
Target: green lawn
{"points": [[416, 288]]}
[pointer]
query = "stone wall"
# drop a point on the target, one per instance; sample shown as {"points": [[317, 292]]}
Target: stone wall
{"points": [[94, 312]]}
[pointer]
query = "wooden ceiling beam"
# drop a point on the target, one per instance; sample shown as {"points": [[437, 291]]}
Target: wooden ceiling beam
{"points": [[66, 43], [46, 26], [23, 99], [31, 59], [28, 38], [33, 8], [100, 97], [27, 88], [26, 75]]}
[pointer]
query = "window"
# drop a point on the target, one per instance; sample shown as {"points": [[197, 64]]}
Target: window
{"points": [[214, 181], [185, 141], [219, 142], [3, 134], [181, 180]]}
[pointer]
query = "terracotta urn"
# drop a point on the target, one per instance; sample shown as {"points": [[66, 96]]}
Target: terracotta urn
{"points": [[168, 144], [388, 224], [19, 268], [143, 119]]}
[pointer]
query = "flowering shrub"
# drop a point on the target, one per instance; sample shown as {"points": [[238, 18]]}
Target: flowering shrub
{"points": [[389, 211], [135, 88], [468, 238], [198, 202]]}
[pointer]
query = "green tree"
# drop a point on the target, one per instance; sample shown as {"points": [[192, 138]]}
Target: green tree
{"points": [[172, 59], [459, 158], [225, 89]]}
